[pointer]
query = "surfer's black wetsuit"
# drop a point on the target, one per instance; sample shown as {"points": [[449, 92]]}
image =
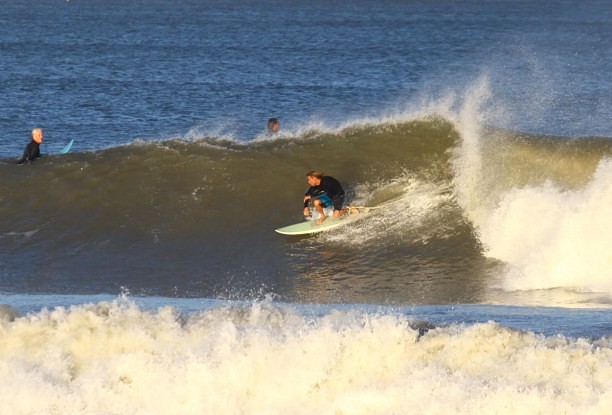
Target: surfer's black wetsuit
{"points": [[31, 152], [329, 191]]}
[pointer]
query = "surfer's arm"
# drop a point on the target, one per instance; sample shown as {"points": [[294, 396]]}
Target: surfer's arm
{"points": [[313, 193], [25, 157], [307, 196]]}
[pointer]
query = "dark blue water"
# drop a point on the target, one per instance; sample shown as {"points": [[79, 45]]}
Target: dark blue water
{"points": [[106, 73]]}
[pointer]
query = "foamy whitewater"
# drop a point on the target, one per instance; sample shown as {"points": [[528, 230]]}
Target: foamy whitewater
{"points": [[114, 357], [548, 221], [548, 235], [140, 273]]}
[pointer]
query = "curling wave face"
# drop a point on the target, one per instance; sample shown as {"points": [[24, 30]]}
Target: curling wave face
{"points": [[196, 217]]}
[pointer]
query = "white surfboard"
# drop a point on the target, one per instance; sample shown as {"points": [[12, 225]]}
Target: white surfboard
{"points": [[311, 226]]}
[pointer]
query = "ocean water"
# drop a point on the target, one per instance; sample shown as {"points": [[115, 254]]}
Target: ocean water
{"points": [[141, 273]]}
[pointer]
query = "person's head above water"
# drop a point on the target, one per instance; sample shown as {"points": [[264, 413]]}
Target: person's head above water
{"points": [[273, 125], [314, 177], [37, 135]]}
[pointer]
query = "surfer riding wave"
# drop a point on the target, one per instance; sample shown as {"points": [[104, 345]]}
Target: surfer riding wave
{"points": [[324, 192]]}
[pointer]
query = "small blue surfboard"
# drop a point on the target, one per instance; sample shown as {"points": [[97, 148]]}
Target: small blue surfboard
{"points": [[67, 147]]}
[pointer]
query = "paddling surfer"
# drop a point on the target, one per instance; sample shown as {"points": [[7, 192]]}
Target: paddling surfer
{"points": [[32, 150], [324, 191], [273, 126]]}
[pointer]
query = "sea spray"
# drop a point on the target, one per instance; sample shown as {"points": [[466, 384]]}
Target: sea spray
{"points": [[537, 205], [470, 177]]}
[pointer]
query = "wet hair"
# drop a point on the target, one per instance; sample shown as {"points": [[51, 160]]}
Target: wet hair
{"points": [[315, 173], [272, 121]]}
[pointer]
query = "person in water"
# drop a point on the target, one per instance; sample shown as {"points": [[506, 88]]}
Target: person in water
{"points": [[324, 191], [32, 150], [273, 125]]}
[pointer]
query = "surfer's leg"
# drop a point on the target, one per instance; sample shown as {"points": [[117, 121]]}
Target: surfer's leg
{"points": [[338, 211], [319, 207], [346, 211]]}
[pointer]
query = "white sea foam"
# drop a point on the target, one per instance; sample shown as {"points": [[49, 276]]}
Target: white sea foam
{"points": [[114, 358], [555, 238], [548, 237], [414, 214]]}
